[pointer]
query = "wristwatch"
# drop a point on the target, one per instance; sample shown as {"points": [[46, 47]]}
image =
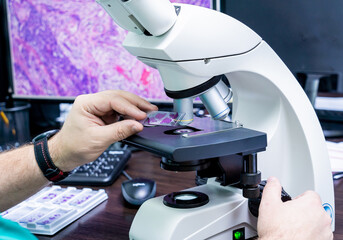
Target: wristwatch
{"points": [[43, 158]]}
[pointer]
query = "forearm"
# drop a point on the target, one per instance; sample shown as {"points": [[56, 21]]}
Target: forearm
{"points": [[91, 126], [20, 176]]}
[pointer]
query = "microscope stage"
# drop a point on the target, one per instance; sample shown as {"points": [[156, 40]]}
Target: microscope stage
{"points": [[224, 140]]}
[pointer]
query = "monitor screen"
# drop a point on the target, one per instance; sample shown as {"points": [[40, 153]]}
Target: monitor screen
{"points": [[61, 49]]}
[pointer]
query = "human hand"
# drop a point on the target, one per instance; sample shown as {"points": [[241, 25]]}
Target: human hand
{"points": [[302, 218], [92, 125]]}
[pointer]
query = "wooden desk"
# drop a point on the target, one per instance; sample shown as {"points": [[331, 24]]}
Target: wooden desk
{"points": [[112, 219]]}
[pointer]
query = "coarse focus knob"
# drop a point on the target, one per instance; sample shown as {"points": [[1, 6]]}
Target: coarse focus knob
{"points": [[254, 204]]}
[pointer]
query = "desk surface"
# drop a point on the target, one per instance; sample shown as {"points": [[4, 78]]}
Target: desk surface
{"points": [[112, 219]]}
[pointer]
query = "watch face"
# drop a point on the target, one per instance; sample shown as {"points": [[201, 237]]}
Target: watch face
{"points": [[47, 134]]}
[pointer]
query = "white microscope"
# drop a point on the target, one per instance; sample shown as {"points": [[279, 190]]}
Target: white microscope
{"points": [[194, 49]]}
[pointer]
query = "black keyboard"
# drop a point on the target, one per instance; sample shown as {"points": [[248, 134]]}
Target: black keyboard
{"points": [[103, 171], [9, 146]]}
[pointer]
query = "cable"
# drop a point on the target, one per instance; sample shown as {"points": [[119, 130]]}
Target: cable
{"points": [[126, 175]]}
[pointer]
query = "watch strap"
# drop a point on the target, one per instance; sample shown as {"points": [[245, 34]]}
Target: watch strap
{"points": [[44, 161]]}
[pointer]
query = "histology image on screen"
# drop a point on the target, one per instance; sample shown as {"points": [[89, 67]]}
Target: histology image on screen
{"points": [[67, 48]]}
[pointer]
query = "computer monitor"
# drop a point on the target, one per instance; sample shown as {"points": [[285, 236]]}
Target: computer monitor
{"points": [[307, 35], [61, 49]]}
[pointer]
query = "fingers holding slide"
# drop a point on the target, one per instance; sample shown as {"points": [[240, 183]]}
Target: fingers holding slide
{"points": [[124, 103]]}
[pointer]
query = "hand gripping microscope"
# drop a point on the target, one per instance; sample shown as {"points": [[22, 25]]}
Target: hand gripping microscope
{"points": [[196, 50]]}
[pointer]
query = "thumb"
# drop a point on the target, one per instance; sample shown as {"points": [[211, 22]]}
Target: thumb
{"points": [[119, 130], [271, 192]]}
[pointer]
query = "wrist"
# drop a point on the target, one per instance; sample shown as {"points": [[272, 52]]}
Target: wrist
{"points": [[44, 159], [59, 154]]}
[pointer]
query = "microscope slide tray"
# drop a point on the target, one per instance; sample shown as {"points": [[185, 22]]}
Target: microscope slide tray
{"points": [[53, 208]]}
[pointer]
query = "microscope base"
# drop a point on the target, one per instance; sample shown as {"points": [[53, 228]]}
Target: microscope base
{"points": [[225, 212]]}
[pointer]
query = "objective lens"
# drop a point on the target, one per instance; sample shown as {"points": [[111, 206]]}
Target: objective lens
{"points": [[184, 105], [215, 104], [224, 91]]}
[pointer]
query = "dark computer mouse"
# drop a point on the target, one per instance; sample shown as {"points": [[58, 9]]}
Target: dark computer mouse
{"points": [[137, 191]]}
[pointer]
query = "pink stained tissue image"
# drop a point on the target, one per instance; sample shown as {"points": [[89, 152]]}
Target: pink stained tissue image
{"points": [[160, 115], [67, 48], [167, 121]]}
